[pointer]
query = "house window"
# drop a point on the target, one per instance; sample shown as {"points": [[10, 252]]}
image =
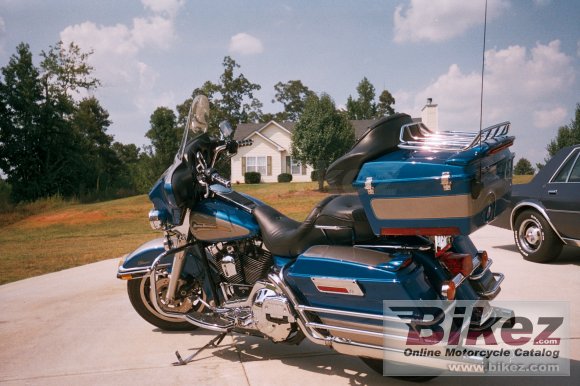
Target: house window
{"points": [[294, 166], [256, 164]]}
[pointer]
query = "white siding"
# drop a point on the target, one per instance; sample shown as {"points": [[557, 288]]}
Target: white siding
{"points": [[260, 148], [263, 148]]}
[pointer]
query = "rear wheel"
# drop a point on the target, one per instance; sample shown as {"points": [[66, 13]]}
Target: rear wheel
{"points": [[535, 238], [377, 365], [139, 290]]}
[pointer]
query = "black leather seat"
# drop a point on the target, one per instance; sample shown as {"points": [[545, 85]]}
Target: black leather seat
{"points": [[286, 237]]}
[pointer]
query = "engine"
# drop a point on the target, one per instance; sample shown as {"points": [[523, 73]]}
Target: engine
{"points": [[240, 264]]}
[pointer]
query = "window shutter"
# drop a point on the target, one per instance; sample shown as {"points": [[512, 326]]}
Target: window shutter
{"points": [[303, 169], [288, 165], [243, 165], [269, 165]]}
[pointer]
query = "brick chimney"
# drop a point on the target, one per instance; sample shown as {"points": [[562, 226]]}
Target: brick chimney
{"points": [[430, 115]]}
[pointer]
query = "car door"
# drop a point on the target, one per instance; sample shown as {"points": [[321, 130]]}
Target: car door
{"points": [[561, 197]]}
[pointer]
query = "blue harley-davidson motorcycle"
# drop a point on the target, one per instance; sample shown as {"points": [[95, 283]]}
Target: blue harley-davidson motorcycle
{"points": [[230, 263]]}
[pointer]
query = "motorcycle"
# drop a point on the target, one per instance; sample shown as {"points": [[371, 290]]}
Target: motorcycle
{"points": [[232, 264]]}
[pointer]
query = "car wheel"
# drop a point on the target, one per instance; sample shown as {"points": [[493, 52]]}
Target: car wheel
{"points": [[535, 238]]}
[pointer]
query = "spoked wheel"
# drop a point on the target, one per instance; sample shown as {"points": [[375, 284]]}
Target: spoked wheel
{"points": [[377, 365], [139, 290], [535, 238]]}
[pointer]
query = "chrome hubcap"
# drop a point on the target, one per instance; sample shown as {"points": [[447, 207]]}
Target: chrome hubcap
{"points": [[530, 235], [533, 235]]}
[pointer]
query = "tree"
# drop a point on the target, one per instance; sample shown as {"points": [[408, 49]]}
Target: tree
{"points": [[523, 167], [104, 168], [365, 107], [164, 135], [47, 138], [386, 102], [231, 99], [66, 70], [322, 134], [292, 95], [568, 135]]}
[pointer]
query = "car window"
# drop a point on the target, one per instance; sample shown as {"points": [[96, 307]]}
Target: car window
{"points": [[575, 173], [564, 172]]}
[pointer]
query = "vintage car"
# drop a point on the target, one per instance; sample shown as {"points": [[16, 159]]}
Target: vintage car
{"points": [[545, 213]]}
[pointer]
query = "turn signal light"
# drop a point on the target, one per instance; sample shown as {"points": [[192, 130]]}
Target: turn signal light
{"points": [[448, 290], [483, 258]]}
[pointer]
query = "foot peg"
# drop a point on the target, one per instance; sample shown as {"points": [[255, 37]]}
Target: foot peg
{"points": [[212, 343]]}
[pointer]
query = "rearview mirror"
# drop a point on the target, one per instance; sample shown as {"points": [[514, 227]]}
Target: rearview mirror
{"points": [[226, 130]]}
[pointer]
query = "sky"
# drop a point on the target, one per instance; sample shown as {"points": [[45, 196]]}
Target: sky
{"points": [[151, 53]]}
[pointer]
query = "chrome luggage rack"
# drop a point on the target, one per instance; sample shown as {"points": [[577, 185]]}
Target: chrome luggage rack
{"points": [[417, 136]]}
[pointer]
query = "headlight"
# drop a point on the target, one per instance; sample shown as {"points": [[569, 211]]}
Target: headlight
{"points": [[156, 219]]}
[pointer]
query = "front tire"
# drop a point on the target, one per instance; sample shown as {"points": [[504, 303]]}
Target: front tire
{"points": [[138, 290], [535, 238]]}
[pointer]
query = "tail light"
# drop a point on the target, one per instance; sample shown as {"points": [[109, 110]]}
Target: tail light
{"points": [[458, 263]]}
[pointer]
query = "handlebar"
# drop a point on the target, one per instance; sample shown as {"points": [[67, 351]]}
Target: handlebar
{"points": [[215, 177]]}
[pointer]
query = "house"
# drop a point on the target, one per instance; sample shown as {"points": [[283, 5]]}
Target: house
{"points": [[271, 151]]}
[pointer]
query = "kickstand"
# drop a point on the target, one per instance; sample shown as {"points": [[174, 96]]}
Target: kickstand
{"points": [[212, 343]]}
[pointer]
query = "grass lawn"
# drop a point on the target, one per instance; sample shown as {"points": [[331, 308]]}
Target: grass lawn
{"points": [[53, 235]]}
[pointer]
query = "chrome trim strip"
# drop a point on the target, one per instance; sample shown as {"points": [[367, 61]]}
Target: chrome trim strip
{"points": [[562, 165], [480, 275], [332, 227], [397, 247], [573, 242], [357, 331]]}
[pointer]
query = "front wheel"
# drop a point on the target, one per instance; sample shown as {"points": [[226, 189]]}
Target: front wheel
{"points": [[138, 290], [535, 238]]}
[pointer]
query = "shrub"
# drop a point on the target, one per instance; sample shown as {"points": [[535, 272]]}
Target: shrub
{"points": [[252, 178], [285, 177], [314, 175]]}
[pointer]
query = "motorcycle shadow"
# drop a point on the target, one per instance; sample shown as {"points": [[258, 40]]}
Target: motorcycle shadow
{"points": [[320, 361]]}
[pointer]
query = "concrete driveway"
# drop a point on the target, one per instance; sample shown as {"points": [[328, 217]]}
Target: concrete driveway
{"points": [[76, 327]]}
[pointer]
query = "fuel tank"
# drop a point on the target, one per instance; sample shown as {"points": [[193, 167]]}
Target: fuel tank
{"points": [[214, 220]]}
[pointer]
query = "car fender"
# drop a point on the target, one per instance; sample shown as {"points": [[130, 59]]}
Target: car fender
{"points": [[537, 205]]}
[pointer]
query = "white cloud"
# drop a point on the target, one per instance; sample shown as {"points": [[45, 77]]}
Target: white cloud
{"points": [[245, 44], [436, 21], [550, 118], [522, 85], [118, 50]]}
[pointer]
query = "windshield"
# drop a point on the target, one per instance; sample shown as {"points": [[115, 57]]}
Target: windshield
{"points": [[197, 122]]}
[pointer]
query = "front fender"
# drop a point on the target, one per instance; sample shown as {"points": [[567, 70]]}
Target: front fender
{"points": [[137, 263]]}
